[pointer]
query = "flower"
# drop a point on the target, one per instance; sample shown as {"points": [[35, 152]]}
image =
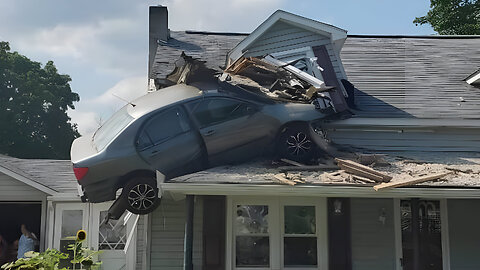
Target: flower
{"points": [[81, 235]]}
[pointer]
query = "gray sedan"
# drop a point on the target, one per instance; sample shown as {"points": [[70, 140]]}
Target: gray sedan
{"points": [[180, 130]]}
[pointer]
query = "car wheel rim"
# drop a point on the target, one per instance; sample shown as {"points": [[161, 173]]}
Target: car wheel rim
{"points": [[298, 144], [141, 196]]}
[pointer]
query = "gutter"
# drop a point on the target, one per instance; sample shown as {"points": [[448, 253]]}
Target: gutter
{"points": [[320, 191]]}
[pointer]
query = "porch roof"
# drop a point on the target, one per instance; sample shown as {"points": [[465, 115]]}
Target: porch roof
{"points": [[464, 168], [54, 177]]}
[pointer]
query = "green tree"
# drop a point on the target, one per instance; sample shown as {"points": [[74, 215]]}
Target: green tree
{"points": [[453, 17], [33, 108]]}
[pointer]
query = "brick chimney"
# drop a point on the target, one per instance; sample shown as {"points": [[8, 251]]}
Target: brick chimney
{"points": [[158, 33]]}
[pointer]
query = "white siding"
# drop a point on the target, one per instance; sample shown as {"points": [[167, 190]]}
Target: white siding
{"points": [[168, 226], [403, 139], [464, 234], [373, 243], [140, 247], [283, 36], [14, 190]]}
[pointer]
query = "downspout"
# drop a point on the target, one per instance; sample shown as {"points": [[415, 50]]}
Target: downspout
{"points": [[188, 244]]}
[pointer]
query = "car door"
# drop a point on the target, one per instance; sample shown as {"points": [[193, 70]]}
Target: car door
{"points": [[232, 129], [169, 144]]}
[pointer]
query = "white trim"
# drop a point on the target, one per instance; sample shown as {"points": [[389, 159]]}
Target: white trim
{"points": [[397, 219], [58, 219], [474, 79], [147, 232], [276, 228], [445, 234], [406, 123], [319, 191], [43, 225], [27, 181], [334, 33]]}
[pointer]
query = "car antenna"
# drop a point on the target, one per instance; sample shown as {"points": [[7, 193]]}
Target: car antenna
{"points": [[133, 105]]}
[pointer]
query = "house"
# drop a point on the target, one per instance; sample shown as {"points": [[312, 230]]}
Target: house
{"points": [[413, 98], [43, 194], [414, 101]]}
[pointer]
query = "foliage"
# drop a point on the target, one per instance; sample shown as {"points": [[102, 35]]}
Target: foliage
{"points": [[33, 108], [83, 256], [453, 17], [47, 260]]}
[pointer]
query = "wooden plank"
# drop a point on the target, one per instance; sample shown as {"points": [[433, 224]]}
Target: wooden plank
{"points": [[344, 162], [409, 182], [284, 180], [361, 173]]}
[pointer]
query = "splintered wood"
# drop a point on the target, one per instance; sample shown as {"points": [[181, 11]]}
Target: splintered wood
{"points": [[409, 182], [362, 172], [291, 180]]}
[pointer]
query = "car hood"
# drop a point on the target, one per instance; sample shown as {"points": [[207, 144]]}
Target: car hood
{"points": [[82, 148]]}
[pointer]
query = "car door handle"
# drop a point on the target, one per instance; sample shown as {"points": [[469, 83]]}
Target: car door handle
{"points": [[209, 133]]}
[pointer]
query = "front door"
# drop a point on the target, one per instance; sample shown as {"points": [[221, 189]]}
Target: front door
{"points": [[421, 234]]}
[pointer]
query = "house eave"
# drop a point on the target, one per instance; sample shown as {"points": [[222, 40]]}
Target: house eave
{"points": [[28, 181], [319, 191]]}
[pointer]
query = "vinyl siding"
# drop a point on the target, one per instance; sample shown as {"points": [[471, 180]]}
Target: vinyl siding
{"points": [[168, 227], [464, 234], [140, 243], [407, 139], [283, 37], [14, 190], [373, 244]]}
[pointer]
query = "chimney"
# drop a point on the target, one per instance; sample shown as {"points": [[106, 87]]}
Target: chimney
{"points": [[158, 32]]}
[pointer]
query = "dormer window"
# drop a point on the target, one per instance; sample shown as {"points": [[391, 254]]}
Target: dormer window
{"points": [[474, 78]]}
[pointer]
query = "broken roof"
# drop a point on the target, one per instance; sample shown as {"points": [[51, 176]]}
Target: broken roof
{"points": [[53, 175], [394, 76], [464, 169]]}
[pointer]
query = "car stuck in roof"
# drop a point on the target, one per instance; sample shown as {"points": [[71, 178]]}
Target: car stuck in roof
{"points": [[180, 130]]}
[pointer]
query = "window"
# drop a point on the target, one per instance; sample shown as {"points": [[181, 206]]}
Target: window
{"points": [[105, 134], [110, 235], [278, 233], [162, 127], [216, 110]]}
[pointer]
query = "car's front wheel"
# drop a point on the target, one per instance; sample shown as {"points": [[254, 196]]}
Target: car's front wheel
{"points": [[141, 195], [295, 143]]}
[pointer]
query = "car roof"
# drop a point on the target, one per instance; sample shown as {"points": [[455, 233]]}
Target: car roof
{"points": [[161, 98]]}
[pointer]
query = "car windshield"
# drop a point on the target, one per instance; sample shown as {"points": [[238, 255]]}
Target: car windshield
{"points": [[105, 134]]}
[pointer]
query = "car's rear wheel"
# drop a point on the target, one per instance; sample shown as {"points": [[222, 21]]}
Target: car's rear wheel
{"points": [[141, 195], [295, 143]]}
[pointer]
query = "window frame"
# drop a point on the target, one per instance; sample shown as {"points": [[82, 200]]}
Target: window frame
{"points": [[276, 229], [151, 118], [191, 107]]}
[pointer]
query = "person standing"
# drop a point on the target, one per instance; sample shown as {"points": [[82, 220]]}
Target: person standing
{"points": [[26, 243]]}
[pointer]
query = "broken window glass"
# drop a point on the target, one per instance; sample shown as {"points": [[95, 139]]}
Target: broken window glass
{"points": [[252, 241]]}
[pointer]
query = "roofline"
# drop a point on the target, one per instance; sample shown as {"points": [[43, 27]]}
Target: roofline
{"points": [[417, 36], [27, 181], [433, 192], [195, 32]]}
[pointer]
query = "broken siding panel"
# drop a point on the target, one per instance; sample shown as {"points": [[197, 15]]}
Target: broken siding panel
{"points": [[413, 77], [168, 227], [446, 139], [373, 243], [13, 189], [464, 235]]}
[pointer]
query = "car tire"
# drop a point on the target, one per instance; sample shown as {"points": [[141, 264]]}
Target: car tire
{"points": [[141, 195], [295, 143]]}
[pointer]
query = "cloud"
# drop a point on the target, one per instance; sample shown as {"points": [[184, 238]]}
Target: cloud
{"points": [[91, 113], [220, 15]]}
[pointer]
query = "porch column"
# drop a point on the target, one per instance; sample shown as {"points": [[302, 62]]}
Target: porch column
{"points": [[415, 234], [188, 244]]}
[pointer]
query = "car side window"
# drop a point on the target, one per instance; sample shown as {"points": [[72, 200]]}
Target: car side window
{"points": [[162, 127], [216, 110]]}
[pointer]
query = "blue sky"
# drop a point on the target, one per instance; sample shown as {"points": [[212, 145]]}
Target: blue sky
{"points": [[102, 45]]}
